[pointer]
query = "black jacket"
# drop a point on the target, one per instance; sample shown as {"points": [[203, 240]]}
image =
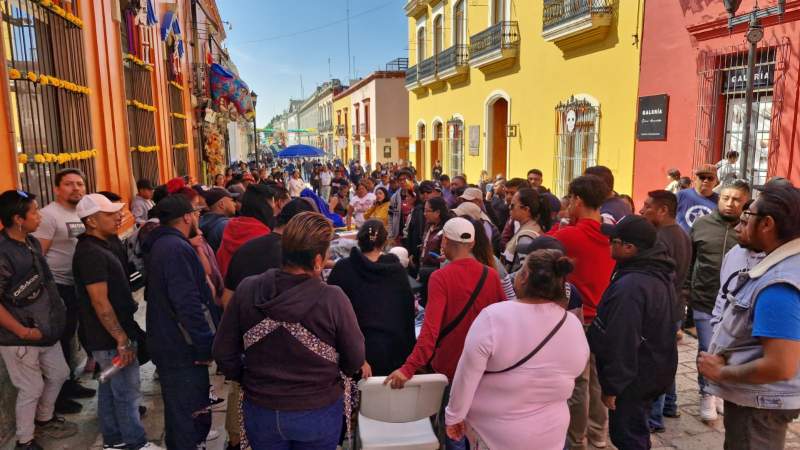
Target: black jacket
{"points": [[712, 236], [416, 232], [384, 305], [633, 335]]}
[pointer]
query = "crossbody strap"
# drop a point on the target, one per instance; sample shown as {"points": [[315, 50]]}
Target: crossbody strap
{"points": [[447, 329], [536, 350]]}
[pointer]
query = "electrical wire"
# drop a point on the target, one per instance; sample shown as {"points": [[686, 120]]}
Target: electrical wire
{"points": [[321, 27]]}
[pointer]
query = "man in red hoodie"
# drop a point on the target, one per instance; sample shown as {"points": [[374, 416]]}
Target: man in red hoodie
{"points": [[588, 247], [255, 220]]}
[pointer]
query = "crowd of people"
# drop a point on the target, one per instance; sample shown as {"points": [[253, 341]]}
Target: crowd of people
{"points": [[555, 320]]}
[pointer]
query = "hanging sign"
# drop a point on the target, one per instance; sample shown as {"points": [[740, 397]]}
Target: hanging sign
{"points": [[652, 118]]}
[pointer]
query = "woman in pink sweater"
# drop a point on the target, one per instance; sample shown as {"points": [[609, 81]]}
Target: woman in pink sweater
{"points": [[509, 401]]}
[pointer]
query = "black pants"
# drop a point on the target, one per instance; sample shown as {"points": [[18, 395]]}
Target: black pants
{"points": [[187, 411], [627, 424], [70, 299], [751, 428]]}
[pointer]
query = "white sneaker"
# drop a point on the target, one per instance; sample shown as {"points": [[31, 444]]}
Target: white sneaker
{"points": [[720, 406], [213, 434], [151, 446], [708, 408]]}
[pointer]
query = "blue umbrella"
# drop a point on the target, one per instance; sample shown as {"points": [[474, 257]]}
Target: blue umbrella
{"points": [[301, 151]]}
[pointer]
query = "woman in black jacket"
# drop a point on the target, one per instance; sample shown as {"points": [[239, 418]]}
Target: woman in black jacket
{"points": [[378, 288]]}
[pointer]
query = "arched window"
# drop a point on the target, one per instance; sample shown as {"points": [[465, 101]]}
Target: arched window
{"points": [[460, 24], [420, 45], [577, 138], [498, 11], [438, 35]]}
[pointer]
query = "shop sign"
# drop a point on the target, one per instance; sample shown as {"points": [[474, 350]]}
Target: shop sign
{"points": [[651, 124], [735, 80]]}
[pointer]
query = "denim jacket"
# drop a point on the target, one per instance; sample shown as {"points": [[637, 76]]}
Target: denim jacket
{"points": [[733, 336]]}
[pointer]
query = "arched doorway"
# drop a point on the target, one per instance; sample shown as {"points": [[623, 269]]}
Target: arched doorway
{"points": [[436, 143], [420, 145], [497, 149]]}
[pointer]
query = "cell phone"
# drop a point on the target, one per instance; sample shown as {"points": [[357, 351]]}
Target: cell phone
{"points": [[435, 255]]}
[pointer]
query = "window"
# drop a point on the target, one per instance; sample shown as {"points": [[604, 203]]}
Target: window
{"points": [[137, 42], [721, 108], [577, 128], [438, 35], [175, 89], [455, 129], [420, 45], [498, 11], [460, 24], [51, 125]]}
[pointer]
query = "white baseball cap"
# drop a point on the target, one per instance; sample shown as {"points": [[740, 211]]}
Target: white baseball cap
{"points": [[471, 210], [472, 194], [95, 203], [459, 230]]}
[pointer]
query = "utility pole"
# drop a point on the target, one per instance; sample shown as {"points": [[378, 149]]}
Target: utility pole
{"points": [[302, 91], [349, 70]]}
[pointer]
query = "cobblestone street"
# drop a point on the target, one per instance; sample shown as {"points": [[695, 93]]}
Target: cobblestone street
{"points": [[684, 433]]}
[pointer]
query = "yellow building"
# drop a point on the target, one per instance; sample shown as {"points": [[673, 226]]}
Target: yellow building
{"points": [[509, 85], [343, 148]]}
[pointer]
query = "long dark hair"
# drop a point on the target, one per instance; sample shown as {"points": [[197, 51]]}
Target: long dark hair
{"points": [[482, 250], [386, 197], [254, 204], [371, 235], [539, 208], [438, 204]]}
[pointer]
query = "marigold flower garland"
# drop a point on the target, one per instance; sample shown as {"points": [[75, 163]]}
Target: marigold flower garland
{"points": [[61, 12], [57, 158], [48, 80], [176, 85], [134, 59], [143, 106], [144, 148], [178, 115], [180, 146]]}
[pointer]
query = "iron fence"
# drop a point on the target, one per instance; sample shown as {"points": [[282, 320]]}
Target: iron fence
{"points": [[557, 12], [453, 57], [411, 76], [51, 120], [500, 36], [576, 142], [427, 69]]}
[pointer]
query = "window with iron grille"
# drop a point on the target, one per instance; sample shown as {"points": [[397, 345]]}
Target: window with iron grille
{"points": [[455, 130], [721, 107], [175, 89], [137, 47], [48, 92], [577, 132]]}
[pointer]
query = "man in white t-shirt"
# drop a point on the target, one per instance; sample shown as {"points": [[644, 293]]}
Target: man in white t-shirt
{"points": [[58, 235], [325, 178]]}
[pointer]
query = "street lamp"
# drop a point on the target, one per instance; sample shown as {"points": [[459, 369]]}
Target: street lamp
{"points": [[754, 35], [254, 97]]}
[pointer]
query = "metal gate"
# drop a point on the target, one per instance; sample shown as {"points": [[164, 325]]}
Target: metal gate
{"points": [[49, 97], [721, 105], [577, 141]]}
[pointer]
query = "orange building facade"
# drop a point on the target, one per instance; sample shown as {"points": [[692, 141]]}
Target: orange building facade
{"points": [[117, 88]]}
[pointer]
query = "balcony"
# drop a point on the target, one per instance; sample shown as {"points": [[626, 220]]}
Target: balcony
{"points": [[427, 71], [411, 78], [324, 126], [452, 62], [416, 7], [495, 47], [574, 23]]}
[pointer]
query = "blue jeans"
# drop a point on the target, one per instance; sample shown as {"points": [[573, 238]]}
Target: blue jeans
{"points": [[450, 444], [666, 403], [704, 332], [315, 429], [118, 402], [187, 409]]}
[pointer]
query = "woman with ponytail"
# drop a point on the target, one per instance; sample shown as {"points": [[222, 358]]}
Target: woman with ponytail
{"points": [[379, 290], [519, 364]]}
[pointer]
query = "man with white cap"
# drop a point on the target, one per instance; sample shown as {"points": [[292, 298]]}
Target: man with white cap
{"points": [[106, 320], [453, 304]]}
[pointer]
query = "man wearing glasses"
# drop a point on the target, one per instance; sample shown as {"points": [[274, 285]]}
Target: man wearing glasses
{"points": [[700, 201], [712, 237], [753, 358]]}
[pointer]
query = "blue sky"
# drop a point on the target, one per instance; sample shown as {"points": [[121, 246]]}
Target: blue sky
{"points": [[274, 42]]}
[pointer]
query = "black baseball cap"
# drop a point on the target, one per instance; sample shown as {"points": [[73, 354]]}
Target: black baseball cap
{"points": [[634, 230], [773, 182], [427, 187], [172, 207], [214, 195]]}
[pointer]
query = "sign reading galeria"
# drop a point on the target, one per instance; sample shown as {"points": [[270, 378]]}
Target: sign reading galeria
{"points": [[651, 123]]}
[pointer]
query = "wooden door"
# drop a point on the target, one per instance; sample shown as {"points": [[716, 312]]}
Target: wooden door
{"points": [[499, 137], [402, 144]]}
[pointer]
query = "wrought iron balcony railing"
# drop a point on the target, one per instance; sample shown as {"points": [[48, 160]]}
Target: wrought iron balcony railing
{"points": [[557, 12], [427, 69], [452, 58], [498, 37], [411, 76]]}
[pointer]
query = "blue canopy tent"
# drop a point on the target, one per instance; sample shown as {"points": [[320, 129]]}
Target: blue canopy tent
{"points": [[301, 151]]}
